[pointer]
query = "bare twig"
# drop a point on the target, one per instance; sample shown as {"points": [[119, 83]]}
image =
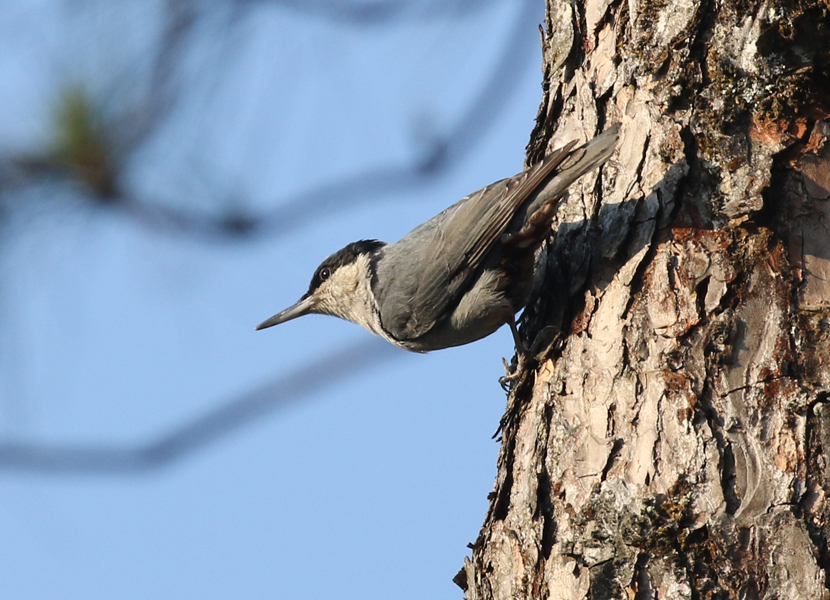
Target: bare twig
{"points": [[200, 431]]}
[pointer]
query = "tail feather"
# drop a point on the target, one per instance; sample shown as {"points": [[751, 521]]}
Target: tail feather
{"points": [[542, 209]]}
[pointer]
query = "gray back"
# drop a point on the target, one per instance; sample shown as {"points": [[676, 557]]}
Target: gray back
{"points": [[423, 276]]}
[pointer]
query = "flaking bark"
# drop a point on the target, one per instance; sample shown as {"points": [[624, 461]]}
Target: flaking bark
{"points": [[674, 441]]}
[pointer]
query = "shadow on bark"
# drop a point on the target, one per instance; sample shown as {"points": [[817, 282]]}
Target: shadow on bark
{"points": [[672, 442]]}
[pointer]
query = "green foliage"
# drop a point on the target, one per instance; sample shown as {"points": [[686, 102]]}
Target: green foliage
{"points": [[82, 147]]}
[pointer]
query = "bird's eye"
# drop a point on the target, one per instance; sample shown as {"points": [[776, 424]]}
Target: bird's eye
{"points": [[325, 273]]}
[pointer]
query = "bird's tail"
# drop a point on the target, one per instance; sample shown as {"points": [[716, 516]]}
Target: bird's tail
{"points": [[542, 207]]}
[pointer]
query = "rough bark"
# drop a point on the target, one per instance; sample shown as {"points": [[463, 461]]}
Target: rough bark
{"points": [[674, 441]]}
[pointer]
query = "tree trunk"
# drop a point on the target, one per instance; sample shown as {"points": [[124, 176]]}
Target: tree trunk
{"points": [[674, 441]]}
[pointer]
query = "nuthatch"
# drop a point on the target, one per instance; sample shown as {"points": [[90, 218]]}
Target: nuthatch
{"points": [[459, 276]]}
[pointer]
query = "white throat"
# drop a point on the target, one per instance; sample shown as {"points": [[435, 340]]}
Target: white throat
{"points": [[349, 296]]}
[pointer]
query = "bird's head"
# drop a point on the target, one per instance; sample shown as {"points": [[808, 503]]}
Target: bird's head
{"points": [[341, 287]]}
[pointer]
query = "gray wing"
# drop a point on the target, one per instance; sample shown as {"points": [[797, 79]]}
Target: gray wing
{"points": [[422, 276]]}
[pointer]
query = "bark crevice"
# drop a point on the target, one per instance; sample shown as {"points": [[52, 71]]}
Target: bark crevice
{"points": [[675, 440]]}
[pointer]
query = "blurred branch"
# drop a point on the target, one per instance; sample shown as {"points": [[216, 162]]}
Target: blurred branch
{"points": [[369, 186], [444, 152], [179, 18], [378, 12], [202, 431], [91, 147]]}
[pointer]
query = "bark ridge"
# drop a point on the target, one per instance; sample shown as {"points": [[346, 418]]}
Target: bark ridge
{"points": [[675, 441]]}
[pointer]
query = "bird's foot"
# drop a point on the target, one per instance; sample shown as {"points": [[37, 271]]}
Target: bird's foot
{"points": [[526, 358], [517, 373], [513, 371]]}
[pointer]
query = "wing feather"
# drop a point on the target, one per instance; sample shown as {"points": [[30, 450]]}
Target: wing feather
{"points": [[426, 272]]}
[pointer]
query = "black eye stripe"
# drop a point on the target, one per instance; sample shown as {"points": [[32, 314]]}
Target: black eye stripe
{"points": [[341, 258]]}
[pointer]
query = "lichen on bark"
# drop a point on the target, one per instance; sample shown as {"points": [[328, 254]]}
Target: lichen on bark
{"points": [[674, 441]]}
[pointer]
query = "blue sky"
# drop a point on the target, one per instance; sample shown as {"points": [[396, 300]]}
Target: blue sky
{"points": [[116, 332]]}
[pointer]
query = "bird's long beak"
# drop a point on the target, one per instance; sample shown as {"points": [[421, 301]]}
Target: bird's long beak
{"points": [[303, 307]]}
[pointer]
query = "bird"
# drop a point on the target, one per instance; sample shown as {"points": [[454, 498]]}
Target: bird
{"points": [[459, 276]]}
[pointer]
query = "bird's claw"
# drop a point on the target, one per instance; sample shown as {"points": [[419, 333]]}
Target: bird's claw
{"points": [[513, 373]]}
